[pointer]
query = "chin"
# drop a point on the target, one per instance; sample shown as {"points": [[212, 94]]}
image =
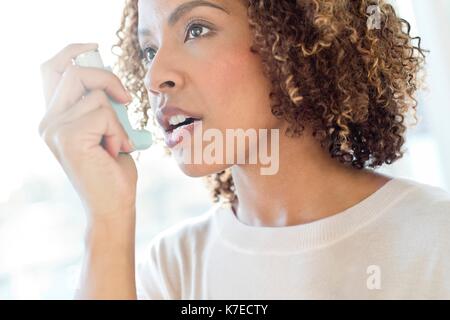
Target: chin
{"points": [[195, 170], [201, 170]]}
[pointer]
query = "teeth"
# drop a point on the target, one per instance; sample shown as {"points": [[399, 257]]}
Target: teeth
{"points": [[174, 120]]}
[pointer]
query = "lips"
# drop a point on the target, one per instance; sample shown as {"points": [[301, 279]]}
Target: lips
{"points": [[172, 134], [175, 136], [164, 114]]}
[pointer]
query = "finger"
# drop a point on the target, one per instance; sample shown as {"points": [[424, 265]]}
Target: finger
{"points": [[103, 123], [52, 70], [92, 101], [84, 133], [76, 81], [116, 138]]}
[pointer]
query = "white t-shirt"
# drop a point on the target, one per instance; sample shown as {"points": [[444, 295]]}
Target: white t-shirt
{"points": [[395, 244]]}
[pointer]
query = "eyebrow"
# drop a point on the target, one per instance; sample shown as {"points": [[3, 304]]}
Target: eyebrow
{"points": [[181, 10]]}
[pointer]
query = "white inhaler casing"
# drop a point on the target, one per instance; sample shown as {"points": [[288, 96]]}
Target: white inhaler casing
{"points": [[142, 139]]}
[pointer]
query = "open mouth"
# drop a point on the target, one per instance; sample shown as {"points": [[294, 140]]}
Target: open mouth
{"points": [[177, 132], [187, 122]]}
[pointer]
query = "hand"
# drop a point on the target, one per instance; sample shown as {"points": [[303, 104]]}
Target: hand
{"points": [[83, 132]]}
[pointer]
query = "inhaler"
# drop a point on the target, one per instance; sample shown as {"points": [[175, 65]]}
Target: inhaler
{"points": [[142, 139]]}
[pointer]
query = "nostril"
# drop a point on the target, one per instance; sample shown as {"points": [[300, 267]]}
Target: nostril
{"points": [[169, 83]]}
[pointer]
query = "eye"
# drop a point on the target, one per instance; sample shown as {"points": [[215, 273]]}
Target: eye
{"points": [[193, 30], [196, 30], [148, 54]]}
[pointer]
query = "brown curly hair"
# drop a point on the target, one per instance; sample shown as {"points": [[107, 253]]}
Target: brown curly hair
{"points": [[353, 85]]}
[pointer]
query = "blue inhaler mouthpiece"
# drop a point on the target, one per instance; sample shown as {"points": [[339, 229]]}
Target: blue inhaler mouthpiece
{"points": [[142, 139]]}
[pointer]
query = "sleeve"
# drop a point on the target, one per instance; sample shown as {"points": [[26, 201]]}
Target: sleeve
{"points": [[149, 280]]}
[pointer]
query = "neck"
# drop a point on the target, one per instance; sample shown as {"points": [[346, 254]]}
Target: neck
{"points": [[308, 186]]}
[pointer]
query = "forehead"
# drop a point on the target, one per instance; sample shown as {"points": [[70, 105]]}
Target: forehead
{"points": [[154, 14], [171, 10]]}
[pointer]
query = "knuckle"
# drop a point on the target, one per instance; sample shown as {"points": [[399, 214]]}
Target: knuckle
{"points": [[108, 110], [42, 126], [115, 81], [109, 114], [71, 71], [47, 136], [70, 46], [46, 125], [60, 137], [100, 96]]}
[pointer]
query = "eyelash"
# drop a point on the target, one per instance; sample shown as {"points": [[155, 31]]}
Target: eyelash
{"points": [[191, 23]]}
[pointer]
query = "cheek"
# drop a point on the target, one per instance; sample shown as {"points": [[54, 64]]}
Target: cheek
{"points": [[235, 90]]}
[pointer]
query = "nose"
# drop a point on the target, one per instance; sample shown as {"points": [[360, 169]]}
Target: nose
{"points": [[164, 75], [159, 87]]}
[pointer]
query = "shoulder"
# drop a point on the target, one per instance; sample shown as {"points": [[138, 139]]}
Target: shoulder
{"points": [[426, 199], [414, 211], [422, 214]]}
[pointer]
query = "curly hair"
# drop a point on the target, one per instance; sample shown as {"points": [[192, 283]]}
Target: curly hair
{"points": [[352, 84]]}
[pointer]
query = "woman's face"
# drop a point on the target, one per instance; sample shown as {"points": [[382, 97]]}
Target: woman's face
{"points": [[199, 60]]}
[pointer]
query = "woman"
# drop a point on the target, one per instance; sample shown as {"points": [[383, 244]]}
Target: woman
{"points": [[337, 82]]}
